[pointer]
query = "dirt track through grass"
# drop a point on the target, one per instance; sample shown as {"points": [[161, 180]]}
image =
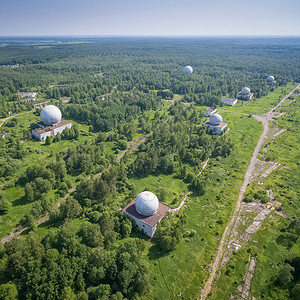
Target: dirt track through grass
{"points": [[265, 120]]}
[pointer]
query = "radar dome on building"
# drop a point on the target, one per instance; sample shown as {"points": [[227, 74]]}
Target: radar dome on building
{"points": [[50, 115], [215, 119], [270, 78], [187, 70], [146, 203], [245, 91]]}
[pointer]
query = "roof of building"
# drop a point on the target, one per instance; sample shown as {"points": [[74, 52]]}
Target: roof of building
{"points": [[49, 128], [150, 220], [210, 109], [227, 99], [3, 134], [222, 124], [40, 102], [27, 94]]}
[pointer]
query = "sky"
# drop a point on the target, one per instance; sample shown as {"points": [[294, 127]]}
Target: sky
{"points": [[150, 17]]}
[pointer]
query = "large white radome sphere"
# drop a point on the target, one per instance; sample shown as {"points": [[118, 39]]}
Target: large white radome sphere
{"points": [[245, 91], [270, 78], [146, 203], [215, 119], [50, 115], [187, 70]]}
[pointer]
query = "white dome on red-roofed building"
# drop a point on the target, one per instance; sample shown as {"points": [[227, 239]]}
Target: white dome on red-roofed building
{"points": [[146, 203], [245, 91], [215, 119], [50, 115]]}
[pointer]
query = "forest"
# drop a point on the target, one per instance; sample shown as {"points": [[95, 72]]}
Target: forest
{"points": [[117, 91]]}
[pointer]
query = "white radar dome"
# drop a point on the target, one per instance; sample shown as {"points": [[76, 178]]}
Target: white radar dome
{"points": [[146, 203], [215, 119], [270, 78], [50, 115], [187, 70], [245, 91]]}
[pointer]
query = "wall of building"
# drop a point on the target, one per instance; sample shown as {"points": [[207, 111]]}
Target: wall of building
{"points": [[53, 132], [248, 97], [61, 128], [216, 129], [42, 136], [148, 230]]}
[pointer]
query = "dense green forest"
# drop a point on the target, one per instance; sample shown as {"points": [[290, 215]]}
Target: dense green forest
{"points": [[117, 91]]}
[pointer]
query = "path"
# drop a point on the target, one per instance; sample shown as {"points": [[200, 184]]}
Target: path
{"points": [[235, 112], [177, 209], [245, 289], [133, 145], [2, 121], [265, 119]]}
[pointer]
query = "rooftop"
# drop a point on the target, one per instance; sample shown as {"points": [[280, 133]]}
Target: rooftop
{"points": [[27, 94], [228, 99], [41, 102], [151, 220], [210, 109], [222, 124], [48, 128]]}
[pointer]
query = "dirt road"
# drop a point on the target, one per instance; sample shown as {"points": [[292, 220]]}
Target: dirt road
{"points": [[2, 121], [133, 145], [177, 209], [265, 121]]}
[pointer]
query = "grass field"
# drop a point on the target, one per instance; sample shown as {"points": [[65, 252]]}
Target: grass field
{"points": [[268, 243], [270, 254], [263, 104], [186, 268], [36, 154]]}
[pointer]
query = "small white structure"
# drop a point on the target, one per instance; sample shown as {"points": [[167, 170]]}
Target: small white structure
{"points": [[51, 123], [187, 70], [146, 211], [3, 134], [215, 124], [210, 111], [270, 79], [229, 101], [245, 94]]}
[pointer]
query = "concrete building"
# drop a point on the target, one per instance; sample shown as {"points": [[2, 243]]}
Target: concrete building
{"points": [[245, 94], [146, 211], [40, 103], [25, 97], [229, 101], [187, 70], [44, 131], [210, 111], [51, 123], [215, 124]]}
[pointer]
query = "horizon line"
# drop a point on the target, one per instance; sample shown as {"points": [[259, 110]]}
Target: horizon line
{"points": [[151, 36]]}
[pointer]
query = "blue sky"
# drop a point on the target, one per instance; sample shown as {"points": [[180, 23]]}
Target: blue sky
{"points": [[149, 17]]}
